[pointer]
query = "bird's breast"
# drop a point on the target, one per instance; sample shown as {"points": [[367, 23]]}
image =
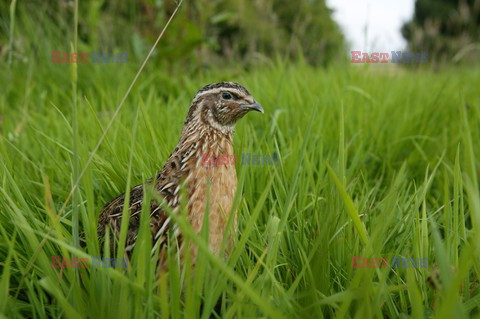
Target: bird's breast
{"points": [[213, 182]]}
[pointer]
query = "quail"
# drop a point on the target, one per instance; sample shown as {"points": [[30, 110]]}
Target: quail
{"points": [[207, 134]]}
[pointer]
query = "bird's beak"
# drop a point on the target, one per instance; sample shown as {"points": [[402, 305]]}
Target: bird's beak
{"points": [[254, 107]]}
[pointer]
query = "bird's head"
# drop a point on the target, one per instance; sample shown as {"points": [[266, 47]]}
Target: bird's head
{"points": [[221, 105]]}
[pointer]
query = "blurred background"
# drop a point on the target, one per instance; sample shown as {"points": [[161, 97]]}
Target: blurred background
{"points": [[244, 33]]}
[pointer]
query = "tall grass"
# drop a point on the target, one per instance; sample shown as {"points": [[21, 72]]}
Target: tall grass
{"points": [[372, 163], [409, 166]]}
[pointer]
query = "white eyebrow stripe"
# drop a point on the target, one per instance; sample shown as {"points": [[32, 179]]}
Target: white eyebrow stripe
{"points": [[218, 90]]}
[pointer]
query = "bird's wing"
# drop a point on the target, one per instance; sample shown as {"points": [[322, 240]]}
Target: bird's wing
{"points": [[167, 183], [111, 216]]}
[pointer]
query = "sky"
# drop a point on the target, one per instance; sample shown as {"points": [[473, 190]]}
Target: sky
{"points": [[383, 19]]}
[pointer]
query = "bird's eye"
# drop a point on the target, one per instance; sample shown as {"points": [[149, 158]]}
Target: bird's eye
{"points": [[227, 96]]}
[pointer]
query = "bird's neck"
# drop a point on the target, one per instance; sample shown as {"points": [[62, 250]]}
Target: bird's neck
{"points": [[203, 140], [199, 130]]}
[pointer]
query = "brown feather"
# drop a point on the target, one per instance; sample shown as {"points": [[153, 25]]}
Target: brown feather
{"points": [[208, 129]]}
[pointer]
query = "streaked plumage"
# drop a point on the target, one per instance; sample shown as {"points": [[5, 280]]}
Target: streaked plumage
{"points": [[208, 129]]}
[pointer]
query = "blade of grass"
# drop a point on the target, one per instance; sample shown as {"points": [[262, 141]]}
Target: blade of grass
{"points": [[350, 207]]}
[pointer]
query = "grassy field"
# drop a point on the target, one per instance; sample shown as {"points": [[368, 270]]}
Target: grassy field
{"points": [[371, 163]]}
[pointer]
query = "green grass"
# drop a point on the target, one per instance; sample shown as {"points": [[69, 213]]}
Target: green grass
{"points": [[372, 164]]}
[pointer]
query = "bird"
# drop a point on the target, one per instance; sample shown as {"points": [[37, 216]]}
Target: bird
{"points": [[201, 162]]}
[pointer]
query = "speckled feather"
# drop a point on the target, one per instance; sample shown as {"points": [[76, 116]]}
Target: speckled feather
{"points": [[208, 129]]}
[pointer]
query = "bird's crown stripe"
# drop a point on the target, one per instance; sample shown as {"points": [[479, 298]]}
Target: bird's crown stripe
{"points": [[220, 89]]}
